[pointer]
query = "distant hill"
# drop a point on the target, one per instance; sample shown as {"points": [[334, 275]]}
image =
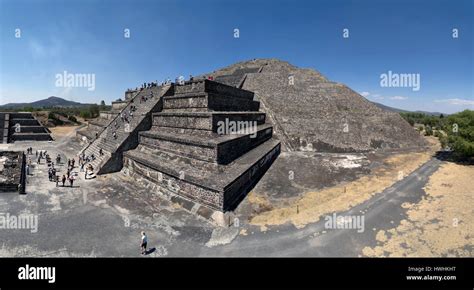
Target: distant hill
{"points": [[392, 109], [46, 103]]}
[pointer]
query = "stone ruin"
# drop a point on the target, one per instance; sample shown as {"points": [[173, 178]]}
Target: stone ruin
{"points": [[185, 153], [22, 126], [186, 142], [12, 171], [176, 146]]}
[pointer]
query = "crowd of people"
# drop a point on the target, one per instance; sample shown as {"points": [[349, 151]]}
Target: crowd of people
{"points": [[178, 81], [86, 160], [55, 176], [53, 173]]}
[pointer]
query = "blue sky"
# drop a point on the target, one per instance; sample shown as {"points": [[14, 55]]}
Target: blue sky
{"points": [[172, 38]]}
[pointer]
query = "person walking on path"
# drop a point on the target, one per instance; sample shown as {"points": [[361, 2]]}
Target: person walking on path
{"points": [[64, 179], [144, 242]]}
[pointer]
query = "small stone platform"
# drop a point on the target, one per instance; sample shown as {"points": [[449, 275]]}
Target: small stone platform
{"points": [[22, 126], [12, 171]]}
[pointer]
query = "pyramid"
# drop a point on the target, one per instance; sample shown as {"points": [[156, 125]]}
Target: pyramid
{"points": [[311, 113]]}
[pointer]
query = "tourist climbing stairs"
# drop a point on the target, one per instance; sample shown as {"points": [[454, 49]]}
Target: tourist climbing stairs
{"points": [[105, 152]]}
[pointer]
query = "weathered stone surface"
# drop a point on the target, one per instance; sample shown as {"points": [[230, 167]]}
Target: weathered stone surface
{"points": [[315, 114], [186, 153], [205, 120], [213, 148], [213, 87], [220, 189], [208, 101], [12, 171]]}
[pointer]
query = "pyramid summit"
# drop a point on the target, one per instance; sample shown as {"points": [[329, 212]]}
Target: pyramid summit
{"points": [[311, 113]]}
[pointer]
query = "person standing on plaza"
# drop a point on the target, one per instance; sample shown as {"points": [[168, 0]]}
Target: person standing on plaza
{"points": [[143, 244]]}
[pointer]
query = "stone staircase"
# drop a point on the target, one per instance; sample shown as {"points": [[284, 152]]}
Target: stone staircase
{"points": [[23, 126], [187, 155], [237, 78], [126, 133], [96, 126]]}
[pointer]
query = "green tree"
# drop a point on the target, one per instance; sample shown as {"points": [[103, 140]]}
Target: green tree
{"points": [[460, 133], [428, 130]]}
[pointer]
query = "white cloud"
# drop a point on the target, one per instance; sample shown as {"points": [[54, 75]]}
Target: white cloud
{"points": [[456, 102], [371, 96], [398, 98], [377, 97]]}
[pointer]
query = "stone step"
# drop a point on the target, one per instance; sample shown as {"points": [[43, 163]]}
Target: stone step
{"points": [[208, 86], [31, 136], [180, 161], [98, 158], [20, 115], [231, 80], [211, 121], [24, 122], [208, 101], [220, 189], [108, 146], [33, 129], [221, 149]]}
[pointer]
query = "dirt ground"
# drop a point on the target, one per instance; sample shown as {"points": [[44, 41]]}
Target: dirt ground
{"points": [[61, 131], [312, 204], [441, 224]]}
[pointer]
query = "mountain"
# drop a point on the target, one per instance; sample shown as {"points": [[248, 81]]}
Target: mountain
{"points": [[388, 108], [392, 109], [45, 103], [312, 113]]}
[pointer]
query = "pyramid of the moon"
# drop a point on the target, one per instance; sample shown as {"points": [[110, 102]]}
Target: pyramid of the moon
{"points": [[311, 113]]}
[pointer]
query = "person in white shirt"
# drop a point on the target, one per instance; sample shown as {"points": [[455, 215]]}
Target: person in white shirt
{"points": [[144, 242]]}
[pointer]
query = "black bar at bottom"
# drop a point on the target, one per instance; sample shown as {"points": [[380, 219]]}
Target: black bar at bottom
{"points": [[238, 272]]}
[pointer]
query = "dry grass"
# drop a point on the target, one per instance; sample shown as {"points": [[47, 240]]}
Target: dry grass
{"points": [[61, 131], [441, 224], [314, 204]]}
